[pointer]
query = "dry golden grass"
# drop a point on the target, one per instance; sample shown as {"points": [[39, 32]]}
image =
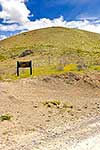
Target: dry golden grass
{"points": [[55, 50]]}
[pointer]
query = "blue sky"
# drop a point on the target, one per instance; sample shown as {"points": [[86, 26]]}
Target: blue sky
{"points": [[17, 16]]}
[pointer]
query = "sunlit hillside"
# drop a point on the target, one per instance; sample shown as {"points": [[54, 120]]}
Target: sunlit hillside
{"points": [[70, 46]]}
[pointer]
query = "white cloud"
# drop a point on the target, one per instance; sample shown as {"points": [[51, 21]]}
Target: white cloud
{"points": [[82, 24], [85, 25], [12, 27], [14, 11], [2, 36], [87, 16], [44, 22]]}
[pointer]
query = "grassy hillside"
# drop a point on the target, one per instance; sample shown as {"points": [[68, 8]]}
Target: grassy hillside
{"points": [[76, 46], [51, 41]]}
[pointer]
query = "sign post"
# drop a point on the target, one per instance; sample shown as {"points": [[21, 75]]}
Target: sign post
{"points": [[25, 64]]}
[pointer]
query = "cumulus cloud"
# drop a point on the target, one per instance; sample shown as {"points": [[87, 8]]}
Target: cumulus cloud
{"points": [[14, 11], [12, 27], [31, 25], [86, 16], [85, 25], [44, 22], [82, 24], [2, 36]]}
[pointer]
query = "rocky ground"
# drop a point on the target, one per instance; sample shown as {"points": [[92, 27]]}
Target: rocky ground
{"points": [[58, 112]]}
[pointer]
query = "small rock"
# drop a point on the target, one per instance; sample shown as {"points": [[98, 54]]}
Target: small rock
{"points": [[25, 53]]}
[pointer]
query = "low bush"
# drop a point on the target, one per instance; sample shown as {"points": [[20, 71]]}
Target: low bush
{"points": [[52, 103], [5, 117]]}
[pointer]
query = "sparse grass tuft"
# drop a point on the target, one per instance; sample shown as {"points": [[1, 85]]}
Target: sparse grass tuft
{"points": [[55, 102], [5, 117], [52, 103], [95, 67], [67, 105]]}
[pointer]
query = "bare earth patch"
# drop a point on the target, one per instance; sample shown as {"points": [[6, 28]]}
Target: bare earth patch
{"points": [[50, 113]]}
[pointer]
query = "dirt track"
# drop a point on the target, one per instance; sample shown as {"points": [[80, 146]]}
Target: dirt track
{"points": [[35, 126]]}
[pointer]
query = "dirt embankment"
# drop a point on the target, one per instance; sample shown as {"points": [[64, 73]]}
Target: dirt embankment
{"points": [[49, 113]]}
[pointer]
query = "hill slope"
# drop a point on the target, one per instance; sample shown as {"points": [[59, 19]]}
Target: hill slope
{"points": [[55, 40], [72, 46]]}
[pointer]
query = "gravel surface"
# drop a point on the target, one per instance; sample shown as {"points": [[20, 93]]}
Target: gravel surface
{"points": [[37, 123]]}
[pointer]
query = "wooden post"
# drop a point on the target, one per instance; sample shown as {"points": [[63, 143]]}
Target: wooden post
{"points": [[17, 68], [30, 67]]}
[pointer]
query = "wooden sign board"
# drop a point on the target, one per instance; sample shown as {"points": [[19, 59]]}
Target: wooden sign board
{"points": [[25, 64]]}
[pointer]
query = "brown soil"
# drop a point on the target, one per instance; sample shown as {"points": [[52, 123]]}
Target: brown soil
{"points": [[38, 121]]}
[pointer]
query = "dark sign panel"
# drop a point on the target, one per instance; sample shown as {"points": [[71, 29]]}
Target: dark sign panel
{"points": [[26, 64]]}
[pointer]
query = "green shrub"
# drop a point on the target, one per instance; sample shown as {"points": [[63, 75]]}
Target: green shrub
{"points": [[52, 103], [5, 117], [2, 57]]}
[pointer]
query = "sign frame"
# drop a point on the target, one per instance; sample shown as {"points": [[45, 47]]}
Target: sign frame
{"points": [[24, 64]]}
